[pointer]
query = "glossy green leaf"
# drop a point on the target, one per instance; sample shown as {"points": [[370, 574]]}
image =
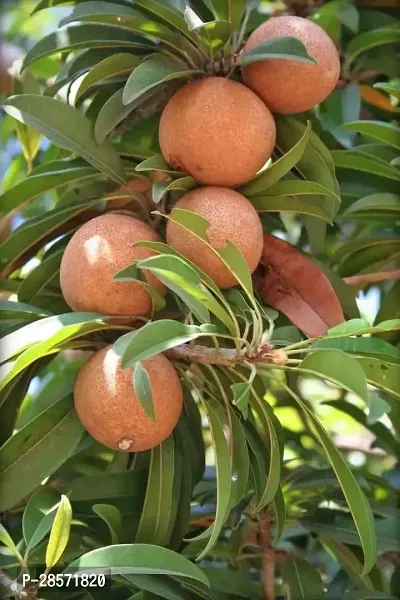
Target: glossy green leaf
{"points": [[140, 559], [38, 516], [370, 39], [159, 585], [112, 517], [43, 274], [378, 130], [87, 35], [156, 516], [240, 462], [10, 310], [277, 170], [389, 203], [360, 161], [111, 114], [292, 205], [7, 540], [160, 188], [59, 534], [289, 48], [37, 450], [154, 71], [116, 65], [391, 87], [142, 387], [40, 180], [229, 10], [338, 367], [236, 583], [280, 514], [155, 337], [214, 34], [362, 346], [302, 579], [68, 129], [383, 375]]}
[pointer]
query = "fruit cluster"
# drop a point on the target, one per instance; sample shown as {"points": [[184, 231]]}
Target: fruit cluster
{"points": [[221, 132]]}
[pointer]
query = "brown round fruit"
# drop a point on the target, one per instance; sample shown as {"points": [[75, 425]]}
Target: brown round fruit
{"points": [[231, 217], [217, 131], [289, 86], [8, 54], [138, 184], [108, 408], [98, 250]]}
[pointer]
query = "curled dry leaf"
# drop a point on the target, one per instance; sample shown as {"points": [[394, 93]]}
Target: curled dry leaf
{"points": [[295, 286]]}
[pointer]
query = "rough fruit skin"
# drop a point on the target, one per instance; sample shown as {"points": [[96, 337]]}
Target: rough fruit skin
{"points": [[108, 408], [231, 217], [288, 86], [218, 131], [98, 250]]}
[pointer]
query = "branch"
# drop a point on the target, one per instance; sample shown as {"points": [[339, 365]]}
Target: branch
{"points": [[360, 280], [227, 357], [268, 556]]}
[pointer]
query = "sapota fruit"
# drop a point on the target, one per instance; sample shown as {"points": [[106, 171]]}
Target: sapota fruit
{"points": [[291, 86], [231, 217], [218, 131], [95, 253], [106, 403]]}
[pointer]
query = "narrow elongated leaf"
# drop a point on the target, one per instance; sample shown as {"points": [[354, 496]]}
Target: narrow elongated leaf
{"points": [[214, 34], [159, 585], [37, 451], [152, 72], [87, 35], [348, 560], [156, 515], [389, 203], [371, 39], [302, 579], [289, 204], [236, 583], [289, 48], [59, 534], [142, 387], [308, 300], [383, 375], [355, 497], [39, 277], [360, 161], [229, 10], [38, 516], [239, 459], [10, 311], [273, 173], [57, 173], [140, 559], [156, 337], [113, 66], [68, 129], [7, 540], [361, 346], [110, 515], [338, 367], [379, 130]]}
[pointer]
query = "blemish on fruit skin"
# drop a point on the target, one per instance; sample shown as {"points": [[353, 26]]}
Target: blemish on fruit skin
{"points": [[125, 444]]}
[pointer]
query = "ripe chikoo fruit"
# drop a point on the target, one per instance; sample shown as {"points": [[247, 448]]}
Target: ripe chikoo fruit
{"points": [[106, 404], [95, 253], [218, 131], [231, 217], [290, 86]]}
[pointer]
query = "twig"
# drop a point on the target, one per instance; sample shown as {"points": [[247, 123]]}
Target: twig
{"points": [[360, 280], [227, 357]]}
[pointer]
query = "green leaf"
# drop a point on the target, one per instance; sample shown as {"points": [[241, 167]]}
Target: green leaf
{"points": [[179, 276], [41, 180], [159, 585], [391, 87], [10, 310], [110, 515], [379, 130], [156, 337], [240, 462], [160, 188], [217, 418], [355, 497], [111, 114], [143, 392], [154, 71], [369, 205], [370, 39], [280, 513], [361, 346], [59, 534], [37, 450], [37, 279], [140, 559], [155, 163], [60, 329], [241, 396], [214, 34], [236, 583], [68, 129], [383, 375], [277, 170], [88, 35], [7, 540], [154, 525], [289, 204], [360, 161], [230, 255], [229, 10], [302, 579], [289, 48], [38, 516], [338, 367], [113, 66]]}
